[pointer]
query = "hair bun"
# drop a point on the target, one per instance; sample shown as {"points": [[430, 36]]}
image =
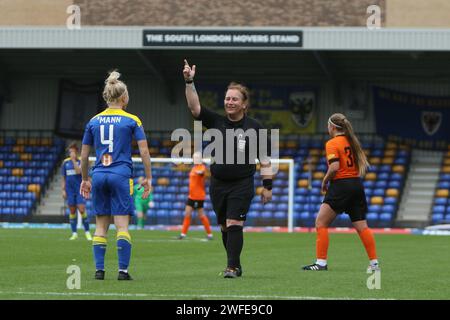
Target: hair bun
{"points": [[113, 77]]}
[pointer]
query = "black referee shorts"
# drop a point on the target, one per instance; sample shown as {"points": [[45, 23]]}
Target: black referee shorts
{"points": [[231, 199], [347, 195]]}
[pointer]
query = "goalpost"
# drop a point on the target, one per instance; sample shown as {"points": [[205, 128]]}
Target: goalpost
{"points": [[291, 179]]}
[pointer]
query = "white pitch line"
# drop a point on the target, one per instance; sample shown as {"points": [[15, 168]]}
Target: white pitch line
{"points": [[206, 296], [173, 240]]}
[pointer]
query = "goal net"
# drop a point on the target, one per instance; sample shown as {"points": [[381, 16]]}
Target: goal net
{"points": [[171, 188]]}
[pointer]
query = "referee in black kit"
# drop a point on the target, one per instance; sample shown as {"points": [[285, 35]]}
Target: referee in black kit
{"points": [[232, 188]]}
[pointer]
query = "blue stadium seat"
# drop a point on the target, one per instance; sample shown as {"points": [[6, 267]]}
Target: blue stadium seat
{"points": [[440, 201], [383, 176], [372, 216], [377, 153], [343, 217], [402, 153], [176, 213], [21, 187], [157, 196], [280, 183], [309, 207], [179, 205], [300, 198], [376, 208], [305, 215], [252, 214], [385, 216], [437, 217], [444, 185], [181, 197], [316, 183], [257, 206], [280, 215], [172, 189], [276, 190], [304, 175], [169, 197], [394, 184], [165, 205], [379, 192], [382, 184], [6, 211], [390, 200], [266, 214], [368, 184], [396, 176], [438, 209], [400, 161], [16, 195], [388, 208]]}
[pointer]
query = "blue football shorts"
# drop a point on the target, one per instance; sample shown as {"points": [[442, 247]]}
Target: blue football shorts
{"points": [[112, 194]]}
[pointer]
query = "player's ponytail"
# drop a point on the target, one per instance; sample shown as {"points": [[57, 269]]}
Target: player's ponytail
{"points": [[114, 88], [343, 124]]}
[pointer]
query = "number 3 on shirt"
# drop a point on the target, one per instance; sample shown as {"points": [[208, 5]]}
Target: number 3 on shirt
{"points": [[348, 152], [109, 142]]}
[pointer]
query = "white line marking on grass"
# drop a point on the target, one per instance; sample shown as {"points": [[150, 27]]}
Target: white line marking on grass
{"points": [[162, 296], [173, 240]]}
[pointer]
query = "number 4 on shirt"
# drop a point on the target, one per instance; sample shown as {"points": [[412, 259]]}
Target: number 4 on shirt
{"points": [[109, 141]]}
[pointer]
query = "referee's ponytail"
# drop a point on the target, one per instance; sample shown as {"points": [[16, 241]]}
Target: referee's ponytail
{"points": [[343, 124]]}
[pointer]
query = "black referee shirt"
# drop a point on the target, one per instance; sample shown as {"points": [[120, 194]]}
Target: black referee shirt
{"points": [[213, 120]]}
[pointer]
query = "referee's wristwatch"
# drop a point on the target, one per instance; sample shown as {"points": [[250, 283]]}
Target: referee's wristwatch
{"points": [[267, 184]]}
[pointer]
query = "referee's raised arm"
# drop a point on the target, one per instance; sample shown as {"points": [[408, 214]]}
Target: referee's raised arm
{"points": [[191, 94]]}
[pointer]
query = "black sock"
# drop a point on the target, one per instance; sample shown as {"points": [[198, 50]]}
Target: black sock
{"points": [[235, 242], [224, 238]]}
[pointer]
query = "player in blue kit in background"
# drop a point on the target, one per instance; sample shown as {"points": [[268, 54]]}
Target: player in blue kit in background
{"points": [[71, 180], [110, 133]]}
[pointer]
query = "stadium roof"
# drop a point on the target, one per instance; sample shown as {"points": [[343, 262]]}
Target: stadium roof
{"points": [[311, 38]]}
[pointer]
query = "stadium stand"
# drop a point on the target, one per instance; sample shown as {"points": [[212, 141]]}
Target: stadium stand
{"points": [[441, 207], [26, 165], [383, 184]]}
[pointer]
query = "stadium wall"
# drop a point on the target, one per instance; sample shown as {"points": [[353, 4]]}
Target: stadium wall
{"points": [[35, 12], [407, 13], [34, 103], [318, 13], [283, 13]]}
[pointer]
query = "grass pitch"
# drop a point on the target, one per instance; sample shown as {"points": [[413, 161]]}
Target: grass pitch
{"points": [[34, 262]]}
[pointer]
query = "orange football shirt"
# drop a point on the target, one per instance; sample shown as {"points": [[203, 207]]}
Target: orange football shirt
{"points": [[338, 149], [197, 182]]}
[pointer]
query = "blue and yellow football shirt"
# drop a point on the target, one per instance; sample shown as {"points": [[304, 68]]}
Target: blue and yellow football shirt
{"points": [[111, 133], [73, 180]]}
